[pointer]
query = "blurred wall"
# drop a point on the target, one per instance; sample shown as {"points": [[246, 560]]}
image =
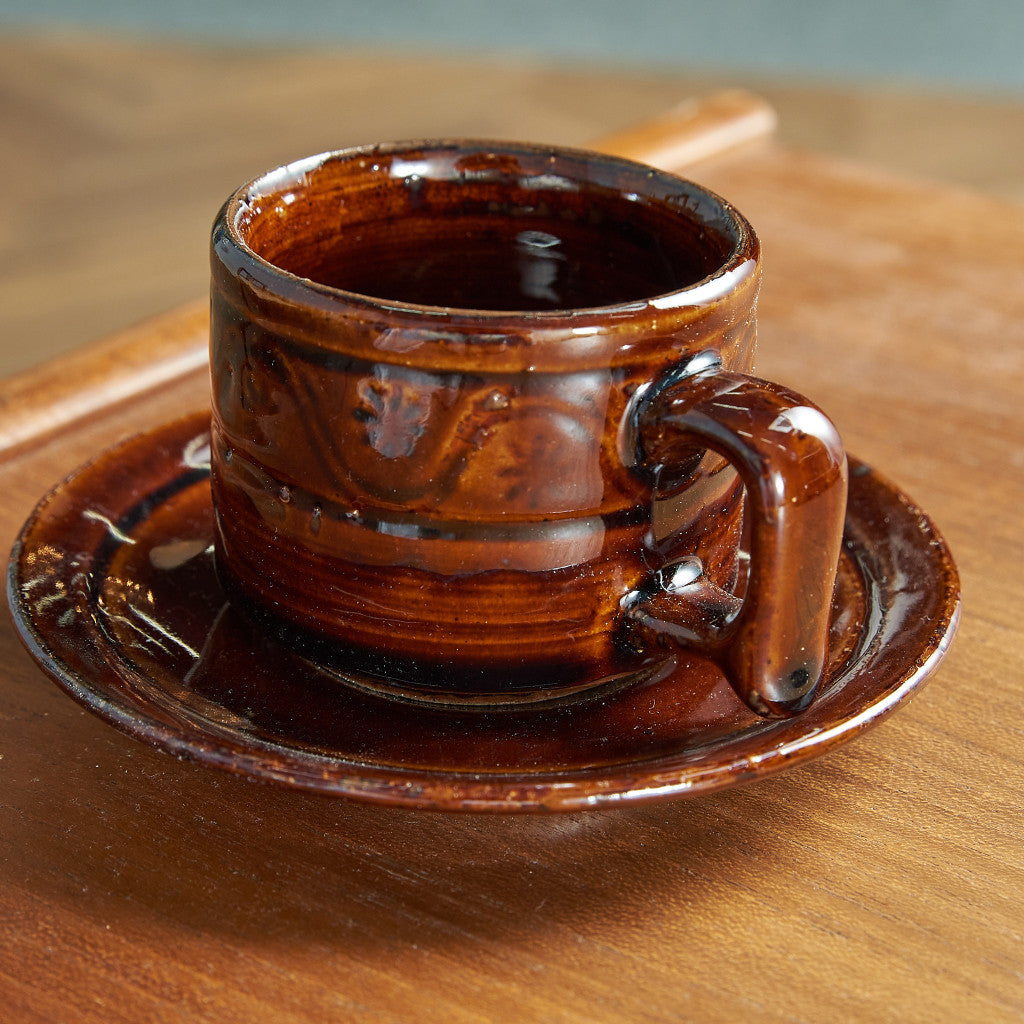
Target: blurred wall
{"points": [[976, 43]]}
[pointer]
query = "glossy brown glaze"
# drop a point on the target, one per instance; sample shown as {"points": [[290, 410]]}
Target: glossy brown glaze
{"points": [[431, 425], [114, 590], [793, 466]]}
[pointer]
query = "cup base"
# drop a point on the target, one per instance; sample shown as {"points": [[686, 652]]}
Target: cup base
{"points": [[486, 700], [447, 683]]}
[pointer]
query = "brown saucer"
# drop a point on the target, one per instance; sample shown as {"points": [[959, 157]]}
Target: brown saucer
{"points": [[113, 590]]}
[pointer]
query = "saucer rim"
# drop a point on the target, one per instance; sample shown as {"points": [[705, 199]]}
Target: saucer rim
{"points": [[575, 789]]}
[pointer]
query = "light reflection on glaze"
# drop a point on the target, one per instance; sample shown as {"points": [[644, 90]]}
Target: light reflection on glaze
{"points": [[706, 292], [114, 532], [197, 453]]}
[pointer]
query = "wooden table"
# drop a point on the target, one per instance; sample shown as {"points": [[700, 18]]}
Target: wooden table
{"points": [[107, 138], [883, 882]]}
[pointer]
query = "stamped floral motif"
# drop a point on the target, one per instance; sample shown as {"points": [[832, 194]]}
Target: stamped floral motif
{"points": [[395, 411]]}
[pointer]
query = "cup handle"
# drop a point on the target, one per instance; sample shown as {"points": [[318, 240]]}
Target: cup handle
{"points": [[772, 647]]}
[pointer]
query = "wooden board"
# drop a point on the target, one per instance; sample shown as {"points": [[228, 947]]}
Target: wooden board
{"points": [[883, 882], [114, 138]]}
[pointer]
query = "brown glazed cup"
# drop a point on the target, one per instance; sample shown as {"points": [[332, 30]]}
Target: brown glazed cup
{"points": [[484, 429]]}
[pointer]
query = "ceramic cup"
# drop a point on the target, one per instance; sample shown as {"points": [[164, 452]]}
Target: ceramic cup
{"points": [[484, 429]]}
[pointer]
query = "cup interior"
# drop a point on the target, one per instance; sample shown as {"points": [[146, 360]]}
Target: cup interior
{"points": [[472, 227]]}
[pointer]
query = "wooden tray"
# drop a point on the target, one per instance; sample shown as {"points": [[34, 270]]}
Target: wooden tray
{"points": [[883, 882]]}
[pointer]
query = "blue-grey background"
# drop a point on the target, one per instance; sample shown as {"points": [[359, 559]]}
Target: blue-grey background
{"points": [[974, 44]]}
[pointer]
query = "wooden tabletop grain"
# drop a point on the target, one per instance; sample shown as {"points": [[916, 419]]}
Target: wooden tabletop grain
{"points": [[884, 882]]}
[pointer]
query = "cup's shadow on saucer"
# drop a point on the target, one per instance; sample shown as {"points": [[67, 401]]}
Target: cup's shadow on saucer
{"points": [[282, 693]]}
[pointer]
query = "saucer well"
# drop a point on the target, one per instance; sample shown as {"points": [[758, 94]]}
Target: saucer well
{"points": [[113, 590]]}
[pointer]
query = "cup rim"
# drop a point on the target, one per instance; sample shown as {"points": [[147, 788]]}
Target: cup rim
{"points": [[230, 249]]}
